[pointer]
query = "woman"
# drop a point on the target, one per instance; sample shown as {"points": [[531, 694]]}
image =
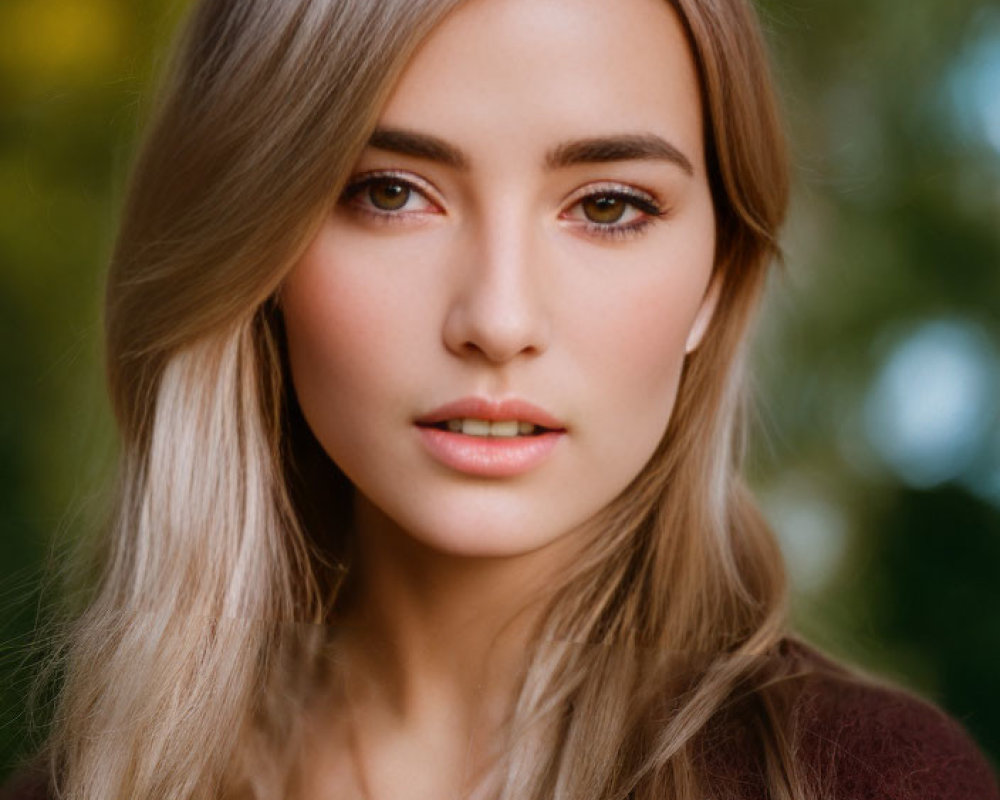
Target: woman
{"points": [[425, 330]]}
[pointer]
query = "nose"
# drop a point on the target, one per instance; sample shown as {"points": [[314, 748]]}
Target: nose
{"points": [[497, 309]]}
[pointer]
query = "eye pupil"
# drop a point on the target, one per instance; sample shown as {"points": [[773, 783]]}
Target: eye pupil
{"points": [[604, 208], [388, 195]]}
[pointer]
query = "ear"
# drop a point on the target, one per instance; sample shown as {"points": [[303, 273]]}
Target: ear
{"points": [[705, 313]]}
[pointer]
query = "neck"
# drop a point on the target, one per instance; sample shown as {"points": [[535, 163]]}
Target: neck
{"points": [[443, 632], [434, 648]]}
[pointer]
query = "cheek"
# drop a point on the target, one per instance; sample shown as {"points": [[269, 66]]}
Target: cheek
{"points": [[338, 337], [354, 303], [638, 335], [639, 375]]}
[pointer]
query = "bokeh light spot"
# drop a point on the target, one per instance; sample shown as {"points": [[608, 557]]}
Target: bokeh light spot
{"points": [[974, 84], [52, 41], [931, 407]]}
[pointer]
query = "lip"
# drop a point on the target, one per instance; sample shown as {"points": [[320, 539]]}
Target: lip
{"points": [[512, 408], [490, 456]]}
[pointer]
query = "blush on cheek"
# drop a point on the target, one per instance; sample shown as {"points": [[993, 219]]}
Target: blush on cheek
{"points": [[650, 336]]}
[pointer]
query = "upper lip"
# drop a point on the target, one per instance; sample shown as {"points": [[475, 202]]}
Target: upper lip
{"points": [[511, 408]]}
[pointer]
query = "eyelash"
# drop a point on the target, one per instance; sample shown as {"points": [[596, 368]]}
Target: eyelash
{"points": [[358, 185], [615, 231]]}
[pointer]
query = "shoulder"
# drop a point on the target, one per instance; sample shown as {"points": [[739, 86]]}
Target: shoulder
{"points": [[866, 741], [847, 737]]}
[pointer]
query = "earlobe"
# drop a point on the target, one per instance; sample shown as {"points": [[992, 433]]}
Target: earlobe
{"points": [[704, 316]]}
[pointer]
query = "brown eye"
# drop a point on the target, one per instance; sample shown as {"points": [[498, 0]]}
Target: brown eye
{"points": [[388, 195], [604, 208]]}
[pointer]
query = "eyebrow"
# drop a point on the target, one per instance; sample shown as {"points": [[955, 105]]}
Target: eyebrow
{"points": [[626, 147], [419, 145], [593, 150]]}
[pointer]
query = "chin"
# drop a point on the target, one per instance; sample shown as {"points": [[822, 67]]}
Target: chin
{"points": [[474, 527]]}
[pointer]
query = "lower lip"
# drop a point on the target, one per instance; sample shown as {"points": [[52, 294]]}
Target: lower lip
{"points": [[489, 456]]}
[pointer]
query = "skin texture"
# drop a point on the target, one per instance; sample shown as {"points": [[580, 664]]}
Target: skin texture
{"points": [[490, 280]]}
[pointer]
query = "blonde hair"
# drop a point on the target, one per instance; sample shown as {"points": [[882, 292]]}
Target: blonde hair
{"points": [[171, 670]]}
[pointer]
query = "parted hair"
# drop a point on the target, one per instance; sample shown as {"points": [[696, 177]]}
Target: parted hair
{"points": [[202, 635]]}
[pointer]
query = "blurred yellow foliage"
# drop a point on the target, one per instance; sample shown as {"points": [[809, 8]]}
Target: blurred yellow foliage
{"points": [[55, 42]]}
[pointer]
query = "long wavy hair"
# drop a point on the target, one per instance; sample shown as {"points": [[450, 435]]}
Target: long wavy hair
{"points": [[205, 622]]}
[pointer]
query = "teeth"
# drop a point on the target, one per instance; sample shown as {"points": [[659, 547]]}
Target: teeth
{"points": [[481, 427]]}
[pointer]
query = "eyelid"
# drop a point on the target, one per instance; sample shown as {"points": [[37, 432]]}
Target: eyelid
{"points": [[358, 182], [649, 208], [613, 188]]}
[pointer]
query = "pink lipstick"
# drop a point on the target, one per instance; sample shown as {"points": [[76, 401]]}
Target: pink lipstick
{"points": [[490, 438]]}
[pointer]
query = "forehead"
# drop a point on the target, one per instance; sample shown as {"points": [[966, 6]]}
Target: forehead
{"points": [[516, 75]]}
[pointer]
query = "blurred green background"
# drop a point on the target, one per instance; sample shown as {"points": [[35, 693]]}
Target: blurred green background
{"points": [[877, 365]]}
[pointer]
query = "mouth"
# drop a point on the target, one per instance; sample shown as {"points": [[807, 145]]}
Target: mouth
{"points": [[498, 448], [492, 429], [489, 418]]}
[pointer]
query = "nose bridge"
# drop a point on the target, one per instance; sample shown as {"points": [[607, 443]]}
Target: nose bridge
{"points": [[498, 309]]}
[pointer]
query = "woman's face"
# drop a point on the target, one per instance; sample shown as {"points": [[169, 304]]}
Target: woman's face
{"points": [[531, 222]]}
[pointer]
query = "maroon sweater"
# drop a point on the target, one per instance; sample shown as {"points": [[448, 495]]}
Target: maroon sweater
{"points": [[856, 741]]}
